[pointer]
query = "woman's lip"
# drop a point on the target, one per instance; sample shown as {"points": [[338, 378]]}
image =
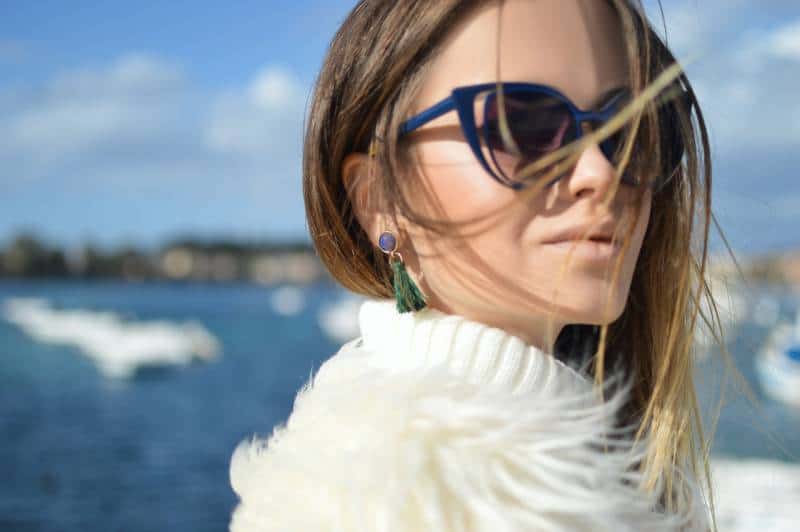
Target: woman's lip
{"points": [[600, 240], [585, 249]]}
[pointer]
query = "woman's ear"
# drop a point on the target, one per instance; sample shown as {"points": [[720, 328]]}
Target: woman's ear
{"points": [[357, 177]]}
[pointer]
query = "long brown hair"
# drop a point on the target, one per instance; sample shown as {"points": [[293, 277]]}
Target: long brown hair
{"points": [[365, 89]]}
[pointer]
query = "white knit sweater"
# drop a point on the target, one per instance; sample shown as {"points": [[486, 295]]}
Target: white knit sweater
{"points": [[431, 422]]}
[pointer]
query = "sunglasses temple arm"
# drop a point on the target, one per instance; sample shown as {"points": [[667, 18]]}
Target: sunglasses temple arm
{"points": [[431, 113]]}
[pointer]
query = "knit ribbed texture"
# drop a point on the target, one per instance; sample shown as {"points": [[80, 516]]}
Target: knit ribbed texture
{"points": [[479, 353]]}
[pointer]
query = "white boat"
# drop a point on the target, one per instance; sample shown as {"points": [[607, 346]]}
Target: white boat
{"points": [[339, 319], [778, 363], [118, 347], [731, 303], [287, 300]]}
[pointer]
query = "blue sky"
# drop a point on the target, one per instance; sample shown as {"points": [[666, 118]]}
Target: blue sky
{"points": [[130, 122]]}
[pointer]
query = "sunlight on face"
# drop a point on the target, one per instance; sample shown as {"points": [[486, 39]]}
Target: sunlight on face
{"points": [[524, 271]]}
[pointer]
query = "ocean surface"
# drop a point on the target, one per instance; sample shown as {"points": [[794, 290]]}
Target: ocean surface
{"points": [[82, 449]]}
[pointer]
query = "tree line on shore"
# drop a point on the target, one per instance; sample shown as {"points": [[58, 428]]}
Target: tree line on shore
{"points": [[28, 257]]}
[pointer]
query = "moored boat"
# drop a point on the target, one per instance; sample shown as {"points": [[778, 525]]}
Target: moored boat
{"points": [[778, 363]]}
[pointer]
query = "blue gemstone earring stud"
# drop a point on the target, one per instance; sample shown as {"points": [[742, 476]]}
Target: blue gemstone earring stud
{"points": [[387, 242]]}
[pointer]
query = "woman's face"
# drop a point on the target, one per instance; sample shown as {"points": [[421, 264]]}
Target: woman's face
{"points": [[514, 273]]}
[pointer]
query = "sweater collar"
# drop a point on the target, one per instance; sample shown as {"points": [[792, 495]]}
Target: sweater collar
{"points": [[477, 352]]}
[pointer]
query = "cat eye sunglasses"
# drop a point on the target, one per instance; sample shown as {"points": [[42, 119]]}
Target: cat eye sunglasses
{"points": [[541, 120]]}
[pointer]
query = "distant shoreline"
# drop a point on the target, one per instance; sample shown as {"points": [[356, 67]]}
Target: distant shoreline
{"points": [[187, 259], [199, 260]]}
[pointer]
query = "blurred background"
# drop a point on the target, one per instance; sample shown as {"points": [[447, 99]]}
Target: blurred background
{"points": [[159, 299]]}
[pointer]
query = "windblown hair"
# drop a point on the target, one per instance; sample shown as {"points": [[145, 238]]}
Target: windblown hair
{"points": [[373, 70]]}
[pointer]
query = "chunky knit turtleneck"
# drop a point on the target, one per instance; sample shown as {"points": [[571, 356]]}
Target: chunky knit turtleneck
{"points": [[479, 353], [430, 421]]}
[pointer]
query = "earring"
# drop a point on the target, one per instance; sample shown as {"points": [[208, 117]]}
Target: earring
{"points": [[406, 292]]}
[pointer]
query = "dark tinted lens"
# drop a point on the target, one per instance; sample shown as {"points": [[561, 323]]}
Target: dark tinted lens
{"points": [[671, 148], [612, 146], [538, 124]]}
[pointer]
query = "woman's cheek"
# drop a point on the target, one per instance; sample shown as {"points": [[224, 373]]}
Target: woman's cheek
{"points": [[461, 186]]}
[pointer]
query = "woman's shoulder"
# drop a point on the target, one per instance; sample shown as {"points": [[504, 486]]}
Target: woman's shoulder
{"points": [[369, 448]]}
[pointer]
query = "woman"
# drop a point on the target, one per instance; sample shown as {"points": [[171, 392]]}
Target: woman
{"points": [[523, 179]]}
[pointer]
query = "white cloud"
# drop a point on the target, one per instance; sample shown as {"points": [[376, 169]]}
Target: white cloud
{"points": [[273, 88], [759, 48], [693, 25], [263, 120], [137, 133], [746, 74], [80, 113], [785, 42], [142, 108], [134, 74], [752, 95]]}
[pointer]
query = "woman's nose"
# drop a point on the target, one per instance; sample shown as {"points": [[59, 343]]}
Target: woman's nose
{"points": [[592, 175]]}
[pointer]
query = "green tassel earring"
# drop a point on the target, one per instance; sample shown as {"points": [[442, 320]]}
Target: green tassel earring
{"points": [[406, 293]]}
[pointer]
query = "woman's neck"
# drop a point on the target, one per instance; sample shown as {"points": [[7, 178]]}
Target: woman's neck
{"points": [[539, 331]]}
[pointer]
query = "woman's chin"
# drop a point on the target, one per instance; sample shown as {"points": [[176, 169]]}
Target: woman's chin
{"points": [[591, 307]]}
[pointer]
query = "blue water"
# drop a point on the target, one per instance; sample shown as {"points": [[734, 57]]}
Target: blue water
{"points": [[81, 452]]}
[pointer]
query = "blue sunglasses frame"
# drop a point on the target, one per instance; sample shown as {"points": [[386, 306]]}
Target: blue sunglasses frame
{"points": [[462, 100]]}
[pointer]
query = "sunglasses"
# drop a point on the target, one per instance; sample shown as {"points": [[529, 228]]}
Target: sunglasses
{"points": [[541, 120]]}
